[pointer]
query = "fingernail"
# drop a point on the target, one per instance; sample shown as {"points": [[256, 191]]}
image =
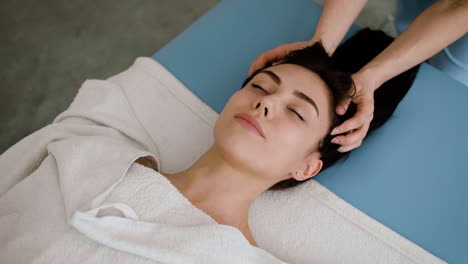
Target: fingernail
{"points": [[343, 110], [335, 140], [335, 131]]}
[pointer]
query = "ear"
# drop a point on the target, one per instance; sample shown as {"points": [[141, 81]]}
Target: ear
{"points": [[313, 167]]}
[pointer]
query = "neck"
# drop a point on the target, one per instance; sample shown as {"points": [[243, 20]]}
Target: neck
{"points": [[221, 188]]}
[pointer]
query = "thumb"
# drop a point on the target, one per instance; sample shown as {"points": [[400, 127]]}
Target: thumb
{"points": [[253, 67], [343, 106], [258, 63]]}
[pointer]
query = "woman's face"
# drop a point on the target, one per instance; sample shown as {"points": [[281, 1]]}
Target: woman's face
{"points": [[287, 138]]}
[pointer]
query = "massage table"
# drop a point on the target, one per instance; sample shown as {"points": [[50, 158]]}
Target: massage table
{"points": [[410, 175]]}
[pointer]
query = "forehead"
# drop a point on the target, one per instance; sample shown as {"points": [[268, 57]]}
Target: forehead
{"points": [[298, 76]]}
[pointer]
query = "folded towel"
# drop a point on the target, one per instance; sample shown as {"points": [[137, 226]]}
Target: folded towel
{"points": [[145, 219]]}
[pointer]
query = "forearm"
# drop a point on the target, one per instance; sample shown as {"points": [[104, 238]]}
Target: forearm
{"points": [[336, 19], [434, 29]]}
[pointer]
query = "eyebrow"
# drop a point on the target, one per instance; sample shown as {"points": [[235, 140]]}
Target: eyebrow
{"points": [[297, 93]]}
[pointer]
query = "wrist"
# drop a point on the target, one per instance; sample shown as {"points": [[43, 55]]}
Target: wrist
{"points": [[327, 45], [369, 78]]}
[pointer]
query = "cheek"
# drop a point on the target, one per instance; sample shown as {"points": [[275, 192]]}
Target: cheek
{"points": [[282, 150], [293, 144], [237, 102], [287, 140]]}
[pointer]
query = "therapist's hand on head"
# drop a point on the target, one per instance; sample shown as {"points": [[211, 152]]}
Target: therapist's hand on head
{"points": [[356, 128], [276, 54]]}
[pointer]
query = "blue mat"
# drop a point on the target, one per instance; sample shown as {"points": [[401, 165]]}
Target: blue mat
{"points": [[411, 174]]}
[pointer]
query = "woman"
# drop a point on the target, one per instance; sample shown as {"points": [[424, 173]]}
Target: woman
{"points": [[293, 103], [294, 144]]}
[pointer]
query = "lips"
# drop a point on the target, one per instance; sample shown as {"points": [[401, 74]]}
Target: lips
{"points": [[252, 121]]}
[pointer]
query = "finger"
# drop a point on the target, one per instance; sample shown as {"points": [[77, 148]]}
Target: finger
{"points": [[261, 61], [271, 55], [352, 138], [274, 54], [349, 147], [252, 69], [355, 122], [258, 63], [343, 106], [364, 113]]}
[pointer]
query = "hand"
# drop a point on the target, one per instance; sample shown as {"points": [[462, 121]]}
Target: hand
{"points": [[277, 53], [357, 126]]}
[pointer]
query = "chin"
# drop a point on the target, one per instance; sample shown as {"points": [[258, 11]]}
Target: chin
{"points": [[237, 148], [230, 133]]}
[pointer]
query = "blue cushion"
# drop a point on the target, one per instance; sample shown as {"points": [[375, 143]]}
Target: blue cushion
{"points": [[411, 174]]}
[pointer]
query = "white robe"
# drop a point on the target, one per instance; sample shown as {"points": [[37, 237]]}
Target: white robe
{"points": [[55, 180]]}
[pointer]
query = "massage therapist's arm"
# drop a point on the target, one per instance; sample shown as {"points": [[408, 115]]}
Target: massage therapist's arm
{"points": [[336, 19], [437, 27], [434, 29]]}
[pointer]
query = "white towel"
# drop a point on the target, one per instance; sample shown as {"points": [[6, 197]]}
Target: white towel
{"points": [[113, 122], [151, 223], [62, 172]]}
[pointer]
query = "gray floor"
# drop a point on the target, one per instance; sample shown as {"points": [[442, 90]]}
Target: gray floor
{"points": [[49, 48]]}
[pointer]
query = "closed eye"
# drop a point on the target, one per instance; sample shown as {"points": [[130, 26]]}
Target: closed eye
{"points": [[259, 87], [297, 114]]}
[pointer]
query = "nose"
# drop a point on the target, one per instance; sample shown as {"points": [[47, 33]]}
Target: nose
{"points": [[259, 105], [265, 106]]}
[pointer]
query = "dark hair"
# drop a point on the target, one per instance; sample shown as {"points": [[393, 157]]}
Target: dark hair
{"points": [[336, 72]]}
